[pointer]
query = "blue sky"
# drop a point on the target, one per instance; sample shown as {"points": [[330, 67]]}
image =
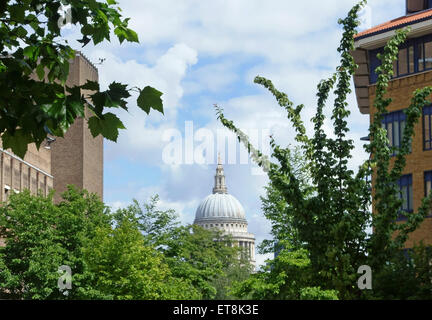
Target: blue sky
{"points": [[201, 52]]}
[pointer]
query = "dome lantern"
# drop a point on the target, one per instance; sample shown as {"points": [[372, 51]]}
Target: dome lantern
{"points": [[220, 186]]}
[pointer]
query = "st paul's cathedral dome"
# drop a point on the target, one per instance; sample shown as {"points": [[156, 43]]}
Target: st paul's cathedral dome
{"points": [[223, 211]]}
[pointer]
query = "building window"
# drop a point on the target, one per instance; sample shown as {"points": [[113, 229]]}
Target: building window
{"points": [[394, 123], [427, 128], [406, 194], [428, 186], [413, 6], [415, 55]]}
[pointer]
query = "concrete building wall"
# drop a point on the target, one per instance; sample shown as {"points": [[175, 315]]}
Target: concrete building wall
{"points": [[418, 161]]}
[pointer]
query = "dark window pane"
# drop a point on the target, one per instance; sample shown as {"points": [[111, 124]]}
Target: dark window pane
{"points": [[403, 63], [411, 59], [396, 134], [428, 55], [405, 198], [415, 5], [427, 131], [420, 56], [406, 194], [390, 133], [394, 123], [395, 71]]}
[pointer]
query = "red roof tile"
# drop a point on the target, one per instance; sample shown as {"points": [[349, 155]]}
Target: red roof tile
{"points": [[396, 23]]}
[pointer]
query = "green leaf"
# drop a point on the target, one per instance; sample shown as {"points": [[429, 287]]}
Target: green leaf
{"points": [[120, 33], [17, 13], [87, 30], [29, 51], [20, 32], [108, 126], [18, 142], [117, 92], [40, 71], [150, 98], [100, 33], [131, 35], [91, 85]]}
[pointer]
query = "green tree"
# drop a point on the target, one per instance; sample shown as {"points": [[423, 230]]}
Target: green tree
{"points": [[289, 276], [332, 214], [40, 237], [31, 44], [413, 270], [126, 268], [156, 225], [277, 210], [108, 255], [204, 259]]}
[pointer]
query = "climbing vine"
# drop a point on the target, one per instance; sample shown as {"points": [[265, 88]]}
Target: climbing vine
{"points": [[332, 215]]}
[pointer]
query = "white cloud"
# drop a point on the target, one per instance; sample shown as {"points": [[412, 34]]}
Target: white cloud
{"points": [[291, 42], [144, 133]]}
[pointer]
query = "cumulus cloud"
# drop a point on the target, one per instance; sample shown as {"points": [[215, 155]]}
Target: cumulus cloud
{"points": [[144, 133], [203, 52]]}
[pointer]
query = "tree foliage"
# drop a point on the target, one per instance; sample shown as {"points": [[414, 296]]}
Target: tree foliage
{"points": [[40, 237], [34, 66], [132, 253], [330, 216], [207, 259], [126, 268]]}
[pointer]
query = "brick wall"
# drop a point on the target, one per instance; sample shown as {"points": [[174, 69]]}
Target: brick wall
{"points": [[78, 158], [401, 91]]}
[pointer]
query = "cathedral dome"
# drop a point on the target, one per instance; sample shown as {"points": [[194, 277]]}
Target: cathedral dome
{"points": [[221, 211], [220, 206]]}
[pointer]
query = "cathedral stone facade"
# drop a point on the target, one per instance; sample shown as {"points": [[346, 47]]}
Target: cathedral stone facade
{"points": [[224, 212]]}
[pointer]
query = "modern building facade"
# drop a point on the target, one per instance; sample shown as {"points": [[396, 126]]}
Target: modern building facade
{"points": [[412, 70], [75, 159], [224, 212]]}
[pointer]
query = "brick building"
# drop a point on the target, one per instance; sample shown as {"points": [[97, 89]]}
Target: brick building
{"points": [[78, 157], [412, 70], [75, 159]]}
